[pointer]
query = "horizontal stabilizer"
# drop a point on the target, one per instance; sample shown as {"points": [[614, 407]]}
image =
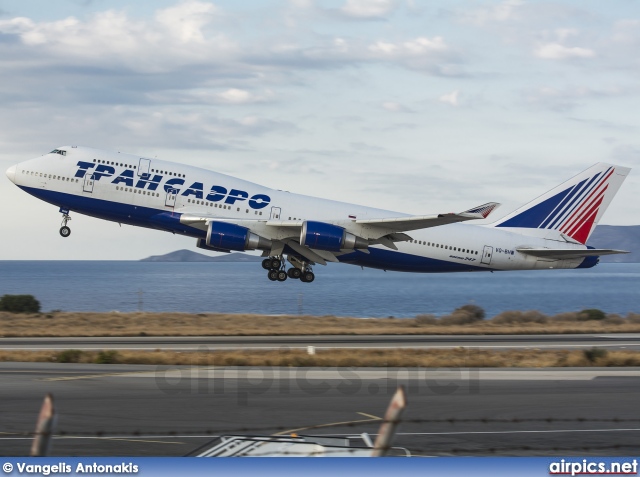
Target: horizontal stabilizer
{"points": [[560, 254]]}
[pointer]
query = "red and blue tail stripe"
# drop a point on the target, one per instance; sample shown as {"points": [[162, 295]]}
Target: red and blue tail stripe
{"points": [[572, 208]]}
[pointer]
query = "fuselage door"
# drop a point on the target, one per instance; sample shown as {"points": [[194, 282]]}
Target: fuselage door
{"points": [[144, 167], [486, 255], [275, 213], [170, 201], [87, 185]]}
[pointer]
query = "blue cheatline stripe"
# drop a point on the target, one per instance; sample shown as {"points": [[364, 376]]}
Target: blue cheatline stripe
{"points": [[117, 212], [170, 222], [403, 262]]}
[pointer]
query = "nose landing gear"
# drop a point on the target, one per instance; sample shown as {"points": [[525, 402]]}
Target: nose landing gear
{"points": [[64, 230]]}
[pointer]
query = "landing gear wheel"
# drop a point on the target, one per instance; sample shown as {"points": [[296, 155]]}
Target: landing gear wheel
{"points": [[294, 273], [282, 276], [273, 275], [64, 230], [307, 277], [276, 263], [266, 264]]}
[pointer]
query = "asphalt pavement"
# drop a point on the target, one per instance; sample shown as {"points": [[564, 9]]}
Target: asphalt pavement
{"points": [[126, 410]]}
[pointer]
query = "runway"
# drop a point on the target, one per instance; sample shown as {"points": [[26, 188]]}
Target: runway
{"points": [[187, 343], [119, 410]]}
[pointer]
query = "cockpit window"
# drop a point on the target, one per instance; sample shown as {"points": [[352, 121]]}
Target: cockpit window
{"points": [[59, 151]]}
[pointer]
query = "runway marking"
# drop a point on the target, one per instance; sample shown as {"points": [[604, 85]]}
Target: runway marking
{"points": [[551, 431], [89, 376], [369, 415], [128, 439], [371, 418], [104, 375], [210, 436]]}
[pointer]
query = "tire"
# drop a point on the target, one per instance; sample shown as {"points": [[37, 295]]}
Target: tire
{"points": [[282, 276], [273, 275], [266, 264], [308, 277], [65, 231], [294, 273], [276, 264]]}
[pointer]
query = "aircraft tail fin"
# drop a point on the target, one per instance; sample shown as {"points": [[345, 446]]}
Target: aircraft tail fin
{"points": [[574, 207]]}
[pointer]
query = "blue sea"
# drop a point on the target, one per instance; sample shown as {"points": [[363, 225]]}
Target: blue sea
{"points": [[341, 290]]}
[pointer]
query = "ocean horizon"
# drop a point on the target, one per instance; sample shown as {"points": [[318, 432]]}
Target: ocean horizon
{"points": [[340, 290]]}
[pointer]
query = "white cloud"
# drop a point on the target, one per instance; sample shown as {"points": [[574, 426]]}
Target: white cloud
{"points": [[417, 47], [506, 11], [569, 97], [110, 38], [627, 31], [395, 107], [185, 21], [450, 98], [556, 51], [431, 55], [239, 96], [368, 9]]}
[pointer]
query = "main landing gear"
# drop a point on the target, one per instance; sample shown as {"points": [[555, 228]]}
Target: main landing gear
{"points": [[64, 230], [277, 271]]}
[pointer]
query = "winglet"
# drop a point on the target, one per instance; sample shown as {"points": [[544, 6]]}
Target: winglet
{"points": [[484, 210]]}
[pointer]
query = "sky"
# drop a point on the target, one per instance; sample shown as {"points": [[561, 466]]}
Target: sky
{"points": [[416, 106]]}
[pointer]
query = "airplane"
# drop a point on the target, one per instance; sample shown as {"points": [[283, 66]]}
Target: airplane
{"points": [[227, 214]]}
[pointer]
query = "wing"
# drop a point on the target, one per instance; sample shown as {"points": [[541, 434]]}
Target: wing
{"points": [[568, 253], [416, 222], [383, 231]]}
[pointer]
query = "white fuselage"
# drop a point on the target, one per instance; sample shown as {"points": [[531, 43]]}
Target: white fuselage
{"points": [[155, 193]]}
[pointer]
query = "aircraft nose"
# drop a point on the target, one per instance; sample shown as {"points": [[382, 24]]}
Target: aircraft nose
{"points": [[11, 173]]}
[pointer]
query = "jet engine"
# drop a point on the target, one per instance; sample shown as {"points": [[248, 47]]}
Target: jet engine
{"points": [[228, 236], [323, 236]]}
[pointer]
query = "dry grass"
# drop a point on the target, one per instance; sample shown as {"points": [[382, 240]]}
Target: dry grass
{"points": [[183, 324], [459, 357]]}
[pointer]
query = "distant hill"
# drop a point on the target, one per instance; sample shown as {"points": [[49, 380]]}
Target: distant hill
{"points": [[619, 237], [605, 236], [189, 256]]}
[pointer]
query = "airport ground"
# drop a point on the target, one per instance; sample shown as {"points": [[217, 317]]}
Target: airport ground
{"points": [[581, 350], [65, 324], [456, 407], [122, 410]]}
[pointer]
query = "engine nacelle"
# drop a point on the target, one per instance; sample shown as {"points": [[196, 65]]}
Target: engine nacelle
{"points": [[224, 235], [202, 243], [332, 238]]}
